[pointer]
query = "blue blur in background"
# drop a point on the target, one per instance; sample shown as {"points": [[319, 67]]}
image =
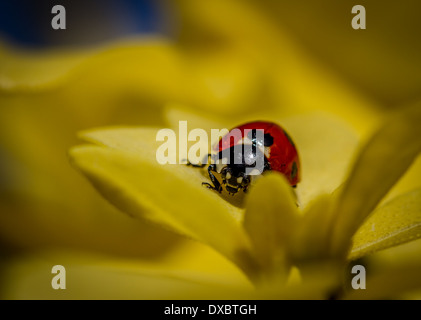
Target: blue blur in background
{"points": [[28, 22]]}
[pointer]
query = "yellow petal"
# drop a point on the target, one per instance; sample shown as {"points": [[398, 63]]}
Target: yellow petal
{"points": [[148, 69], [30, 276], [128, 175], [310, 240], [409, 181], [394, 223], [30, 223], [381, 162], [43, 201], [270, 218], [31, 70]]}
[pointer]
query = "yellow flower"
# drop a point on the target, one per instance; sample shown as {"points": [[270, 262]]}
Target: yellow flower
{"points": [[227, 70], [270, 234]]}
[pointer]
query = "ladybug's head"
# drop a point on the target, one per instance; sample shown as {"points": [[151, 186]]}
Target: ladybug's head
{"points": [[236, 172], [234, 178]]}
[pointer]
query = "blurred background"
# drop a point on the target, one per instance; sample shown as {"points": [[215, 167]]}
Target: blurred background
{"points": [[381, 60], [241, 56]]}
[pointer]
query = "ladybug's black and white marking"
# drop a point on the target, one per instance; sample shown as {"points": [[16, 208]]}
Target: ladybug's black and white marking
{"points": [[233, 161]]}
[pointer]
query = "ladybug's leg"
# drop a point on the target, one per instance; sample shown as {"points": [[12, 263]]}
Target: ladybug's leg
{"points": [[245, 182], [216, 185], [195, 165]]}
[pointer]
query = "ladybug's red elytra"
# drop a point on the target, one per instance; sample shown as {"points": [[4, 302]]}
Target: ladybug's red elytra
{"points": [[275, 148]]}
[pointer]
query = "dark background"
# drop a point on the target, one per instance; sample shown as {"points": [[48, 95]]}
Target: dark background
{"points": [[28, 22]]}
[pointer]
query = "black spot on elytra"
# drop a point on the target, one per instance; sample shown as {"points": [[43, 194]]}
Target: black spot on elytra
{"points": [[294, 170], [268, 140]]}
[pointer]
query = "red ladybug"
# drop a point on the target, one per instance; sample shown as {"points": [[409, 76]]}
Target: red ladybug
{"points": [[244, 146]]}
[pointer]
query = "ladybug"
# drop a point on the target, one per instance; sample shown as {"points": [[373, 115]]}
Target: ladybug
{"points": [[236, 157]]}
